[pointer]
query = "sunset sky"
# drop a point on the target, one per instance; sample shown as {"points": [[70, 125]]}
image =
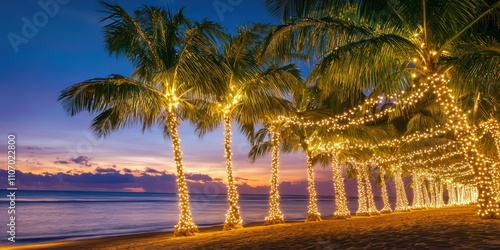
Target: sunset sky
{"points": [[67, 48]]}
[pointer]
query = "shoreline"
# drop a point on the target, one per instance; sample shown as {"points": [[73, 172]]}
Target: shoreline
{"points": [[452, 227]]}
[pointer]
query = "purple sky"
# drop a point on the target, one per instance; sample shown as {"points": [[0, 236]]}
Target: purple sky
{"points": [[66, 47]]}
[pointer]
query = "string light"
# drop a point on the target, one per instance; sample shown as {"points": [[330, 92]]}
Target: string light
{"points": [[346, 120], [431, 189], [275, 214], [410, 156], [488, 206]]}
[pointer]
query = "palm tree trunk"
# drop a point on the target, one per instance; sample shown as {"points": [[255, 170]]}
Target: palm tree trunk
{"points": [[385, 197], [433, 193], [369, 193], [451, 195], [312, 211], [489, 207], [275, 214], [341, 209], [425, 195], [440, 195], [461, 195], [185, 226], [495, 172], [417, 203], [363, 209], [436, 194], [401, 199], [233, 217]]}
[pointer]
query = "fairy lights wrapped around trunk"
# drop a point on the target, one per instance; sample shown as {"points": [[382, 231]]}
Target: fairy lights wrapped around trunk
{"points": [[341, 209], [275, 214]]}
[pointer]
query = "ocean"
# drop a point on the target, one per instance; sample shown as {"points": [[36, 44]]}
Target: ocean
{"points": [[59, 215]]}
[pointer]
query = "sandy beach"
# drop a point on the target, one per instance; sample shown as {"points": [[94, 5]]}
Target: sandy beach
{"points": [[445, 228]]}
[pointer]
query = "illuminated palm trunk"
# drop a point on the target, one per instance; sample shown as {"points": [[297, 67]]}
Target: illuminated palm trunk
{"points": [[385, 197], [401, 199], [451, 195], [432, 190], [185, 226], [365, 195], [495, 168], [460, 195], [312, 209], [425, 192], [362, 196], [275, 214], [369, 193], [440, 196], [495, 172], [233, 217], [341, 209], [417, 193], [488, 206], [493, 127]]}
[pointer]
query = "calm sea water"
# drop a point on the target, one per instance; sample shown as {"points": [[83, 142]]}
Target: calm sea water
{"points": [[57, 215]]}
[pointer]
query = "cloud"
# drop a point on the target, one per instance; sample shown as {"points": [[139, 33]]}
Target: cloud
{"points": [[82, 160], [244, 179], [106, 170], [109, 179], [62, 162], [198, 177], [152, 171], [241, 179], [33, 161], [127, 170]]}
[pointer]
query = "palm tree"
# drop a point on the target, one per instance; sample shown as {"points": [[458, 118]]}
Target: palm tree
{"points": [[383, 175], [174, 64], [253, 89], [294, 137], [260, 147], [392, 44]]}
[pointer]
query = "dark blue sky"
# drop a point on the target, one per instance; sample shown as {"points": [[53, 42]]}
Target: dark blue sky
{"points": [[45, 49]]}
